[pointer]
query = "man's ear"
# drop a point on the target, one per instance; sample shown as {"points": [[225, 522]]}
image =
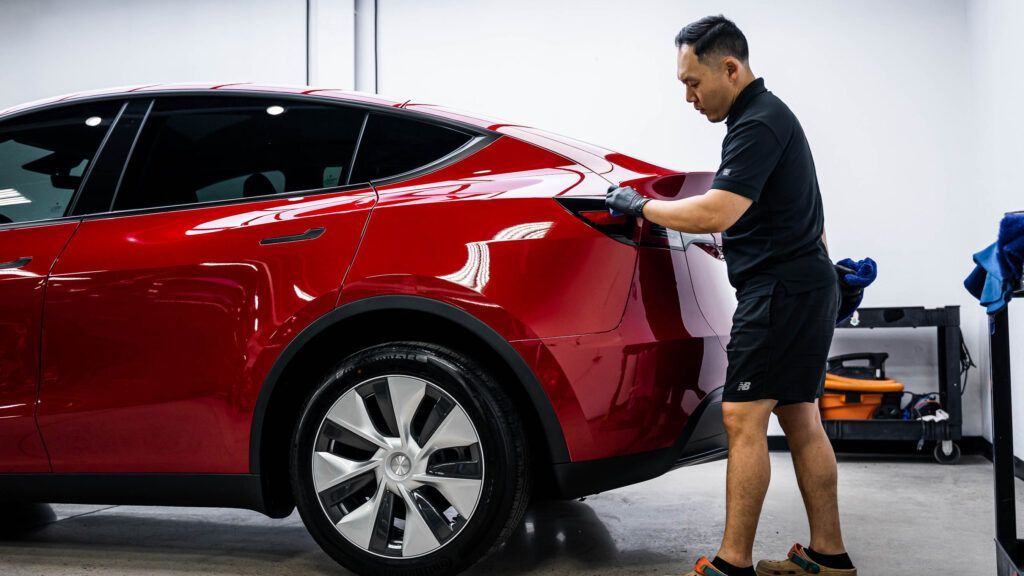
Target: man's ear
{"points": [[732, 68]]}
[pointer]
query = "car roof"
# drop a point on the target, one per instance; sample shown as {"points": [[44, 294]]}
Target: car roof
{"points": [[239, 87], [593, 157]]}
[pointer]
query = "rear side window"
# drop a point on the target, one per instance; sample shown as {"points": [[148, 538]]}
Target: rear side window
{"points": [[44, 157], [208, 149], [393, 145]]}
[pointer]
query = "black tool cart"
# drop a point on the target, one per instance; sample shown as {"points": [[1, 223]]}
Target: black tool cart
{"points": [[946, 433], [1009, 550]]}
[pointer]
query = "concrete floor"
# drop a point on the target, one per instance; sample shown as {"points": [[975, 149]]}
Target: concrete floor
{"points": [[906, 516]]}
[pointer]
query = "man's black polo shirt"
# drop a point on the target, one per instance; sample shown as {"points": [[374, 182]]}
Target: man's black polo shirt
{"points": [[765, 157]]}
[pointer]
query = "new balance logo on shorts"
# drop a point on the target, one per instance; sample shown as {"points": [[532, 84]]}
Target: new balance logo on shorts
{"points": [[744, 386]]}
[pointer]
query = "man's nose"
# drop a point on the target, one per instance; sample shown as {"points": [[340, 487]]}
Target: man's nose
{"points": [[690, 96]]}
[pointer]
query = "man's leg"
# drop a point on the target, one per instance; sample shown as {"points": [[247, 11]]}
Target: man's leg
{"points": [[747, 477], [816, 473]]}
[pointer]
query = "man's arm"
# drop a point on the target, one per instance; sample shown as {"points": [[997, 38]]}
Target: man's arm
{"points": [[714, 211]]}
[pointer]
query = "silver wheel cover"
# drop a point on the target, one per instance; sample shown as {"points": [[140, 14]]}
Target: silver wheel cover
{"points": [[397, 466]]}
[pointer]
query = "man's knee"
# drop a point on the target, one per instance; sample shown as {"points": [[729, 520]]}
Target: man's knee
{"points": [[798, 414], [746, 418]]}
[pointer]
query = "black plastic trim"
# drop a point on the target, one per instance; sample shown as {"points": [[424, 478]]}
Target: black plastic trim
{"points": [[355, 149], [100, 191], [702, 440], [70, 209], [538, 397], [37, 223], [211, 490]]}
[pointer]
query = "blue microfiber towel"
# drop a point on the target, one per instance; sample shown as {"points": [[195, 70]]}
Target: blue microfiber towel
{"points": [[864, 272], [854, 276], [1011, 244], [998, 269]]}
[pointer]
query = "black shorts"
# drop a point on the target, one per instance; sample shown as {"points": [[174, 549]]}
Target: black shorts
{"points": [[779, 343]]}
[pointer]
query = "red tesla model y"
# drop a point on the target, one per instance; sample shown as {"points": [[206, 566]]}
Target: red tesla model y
{"points": [[403, 320]]}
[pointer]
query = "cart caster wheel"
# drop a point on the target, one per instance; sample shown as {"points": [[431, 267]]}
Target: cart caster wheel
{"points": [[947, 452]]}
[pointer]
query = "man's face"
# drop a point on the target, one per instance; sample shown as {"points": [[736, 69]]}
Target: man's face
{"points": [[710, 86]]}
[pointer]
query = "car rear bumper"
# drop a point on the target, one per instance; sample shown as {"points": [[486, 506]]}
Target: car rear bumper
{"points": [[702, 440]]}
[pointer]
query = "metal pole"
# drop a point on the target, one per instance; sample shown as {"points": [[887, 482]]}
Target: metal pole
{"points": [[366, 45], [1002, 434]]}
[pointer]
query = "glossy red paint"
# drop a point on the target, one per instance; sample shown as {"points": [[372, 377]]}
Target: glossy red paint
{"points": [[716, 296], [632, 389], [161, 328], [623, 351], [485, 235], [21, 315]]}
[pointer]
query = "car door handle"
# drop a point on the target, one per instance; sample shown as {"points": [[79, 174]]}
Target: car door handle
{"points": [[307, 235], [14, 264]]}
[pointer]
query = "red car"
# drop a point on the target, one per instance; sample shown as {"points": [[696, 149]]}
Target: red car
{"points": [[401, 319]]}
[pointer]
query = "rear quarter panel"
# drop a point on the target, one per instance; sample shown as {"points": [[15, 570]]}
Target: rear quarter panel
{"points": [[486, 235]]}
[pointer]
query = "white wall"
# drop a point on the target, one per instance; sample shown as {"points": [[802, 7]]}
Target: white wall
{"points": [[880, 87], [995, 49], [58, 46], [909, 106]]}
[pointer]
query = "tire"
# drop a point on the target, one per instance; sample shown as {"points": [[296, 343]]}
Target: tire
{"points": [[379, 503], [23, 518]]}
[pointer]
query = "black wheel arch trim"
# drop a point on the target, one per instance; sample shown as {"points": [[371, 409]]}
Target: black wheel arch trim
{"points": [[557, 448]]}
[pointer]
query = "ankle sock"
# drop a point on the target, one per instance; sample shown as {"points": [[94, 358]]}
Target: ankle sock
{"points": [[839, 561], [732, 570]]}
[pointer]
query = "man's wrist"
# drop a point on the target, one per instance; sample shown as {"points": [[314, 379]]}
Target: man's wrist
{"points": [[643, 204]]}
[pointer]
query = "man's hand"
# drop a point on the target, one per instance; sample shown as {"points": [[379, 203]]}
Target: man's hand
{"points": [[626, 200]]}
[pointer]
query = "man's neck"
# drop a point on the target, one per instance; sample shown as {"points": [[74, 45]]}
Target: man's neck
{"points": [[745, 80]]}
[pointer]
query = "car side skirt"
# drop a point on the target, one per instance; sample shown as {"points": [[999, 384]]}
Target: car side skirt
{"points": [[203, 490]]}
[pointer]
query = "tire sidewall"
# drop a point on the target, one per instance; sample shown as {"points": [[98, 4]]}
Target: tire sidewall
{"points": [[474, 390]]}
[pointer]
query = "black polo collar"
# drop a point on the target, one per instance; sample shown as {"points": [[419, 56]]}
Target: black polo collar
{"points": [[744, 99]]}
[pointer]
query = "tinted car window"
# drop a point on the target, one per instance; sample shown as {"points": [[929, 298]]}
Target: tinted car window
{"points": [[393, 145], [207, 149], [44, 156]]}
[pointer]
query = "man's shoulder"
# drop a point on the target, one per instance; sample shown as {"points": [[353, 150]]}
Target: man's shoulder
{"points": [[769, 110]]}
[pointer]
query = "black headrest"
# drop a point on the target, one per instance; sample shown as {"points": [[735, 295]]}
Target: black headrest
{"points": [[257, 185]]}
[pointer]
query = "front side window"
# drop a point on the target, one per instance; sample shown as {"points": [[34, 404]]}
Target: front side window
{"points": [[45, 155], [392, 146], [211, 149]]}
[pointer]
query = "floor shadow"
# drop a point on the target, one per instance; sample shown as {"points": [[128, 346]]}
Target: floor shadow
{"points": [[126, 540], [21, 520], [566, 532]]}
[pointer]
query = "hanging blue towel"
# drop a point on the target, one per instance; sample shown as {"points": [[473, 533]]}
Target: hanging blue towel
{"points": [[997, 273], [854, 276]]}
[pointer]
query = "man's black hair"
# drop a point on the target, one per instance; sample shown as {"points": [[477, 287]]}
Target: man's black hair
{"points": [[714, 35]]}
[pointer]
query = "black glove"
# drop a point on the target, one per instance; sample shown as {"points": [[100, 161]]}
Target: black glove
{"points": [[626, 200]]}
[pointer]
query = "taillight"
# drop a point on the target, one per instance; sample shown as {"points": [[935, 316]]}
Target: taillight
{"points": [[593, 211], [635, 231], [654, 235]]}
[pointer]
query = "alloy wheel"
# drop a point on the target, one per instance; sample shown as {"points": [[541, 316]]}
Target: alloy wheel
{"points": [[397, 466]]}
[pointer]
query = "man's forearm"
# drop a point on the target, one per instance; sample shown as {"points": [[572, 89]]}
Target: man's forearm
{"points": [[690, 215]]}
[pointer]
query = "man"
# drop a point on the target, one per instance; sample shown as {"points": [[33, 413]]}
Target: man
{"points": [[765, 199]]}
